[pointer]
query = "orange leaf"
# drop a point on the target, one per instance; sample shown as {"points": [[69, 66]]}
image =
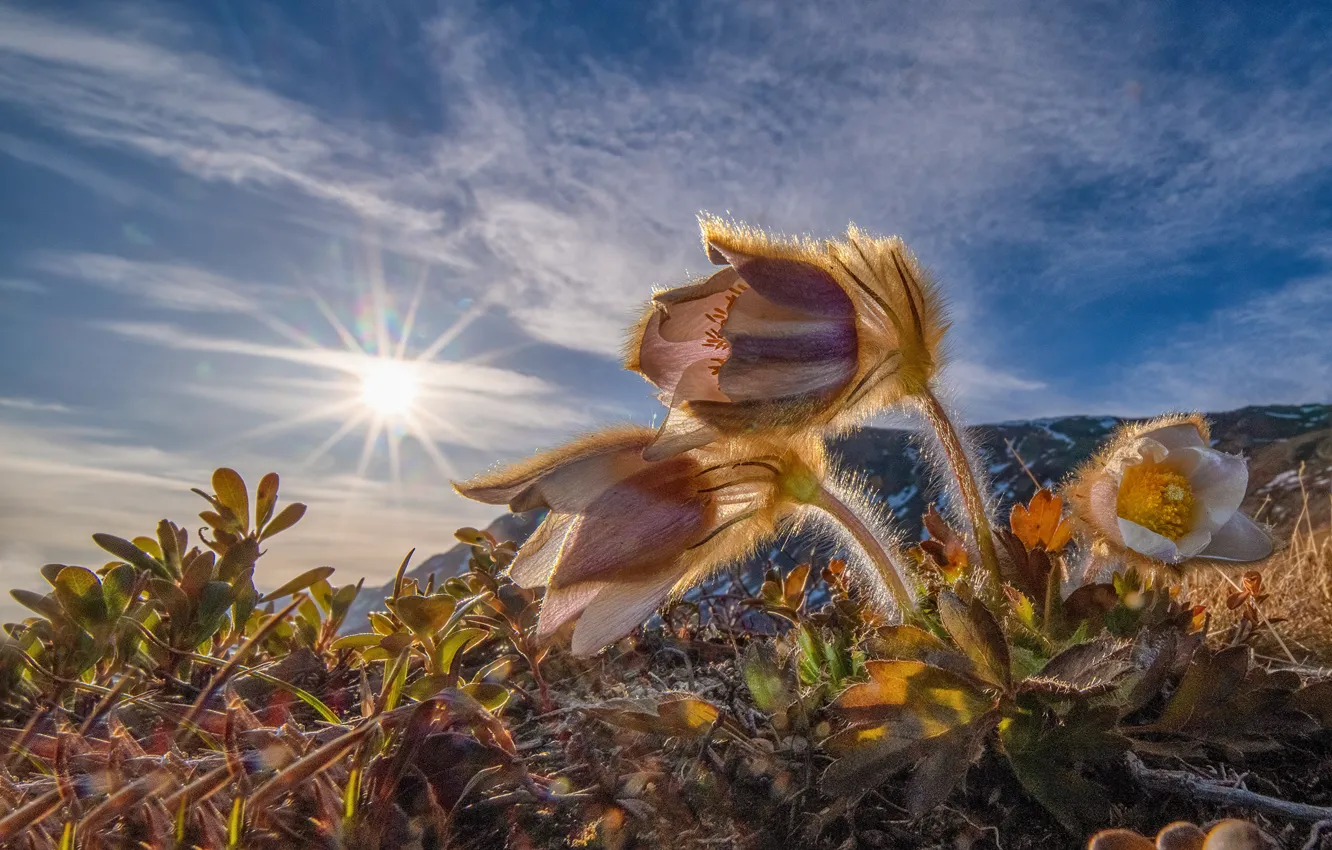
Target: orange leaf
{"points": [[1041, 521]]}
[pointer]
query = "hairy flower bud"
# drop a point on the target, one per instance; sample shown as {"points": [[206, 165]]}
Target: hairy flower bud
{"points": [[791, 335]]}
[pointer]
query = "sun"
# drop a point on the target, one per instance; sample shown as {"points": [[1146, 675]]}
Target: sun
{"points": [[389, 387]]}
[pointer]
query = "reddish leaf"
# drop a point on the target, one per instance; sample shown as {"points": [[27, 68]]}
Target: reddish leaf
{"points": [[1041, 522]]}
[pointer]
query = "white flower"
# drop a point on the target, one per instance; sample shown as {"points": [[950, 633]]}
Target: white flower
{"points": [[1162, 492]]}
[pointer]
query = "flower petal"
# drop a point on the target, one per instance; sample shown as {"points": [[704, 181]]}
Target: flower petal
{"points": [[1104, 507], [637, 526], [790, 283], [1218, 480], [537, 557], [663, 361], [562, 604], [1240, 539], [686, 308], [564, 479], [1182, 436], [1144, 541], [619, 608], [778, 353], [679, 433]]}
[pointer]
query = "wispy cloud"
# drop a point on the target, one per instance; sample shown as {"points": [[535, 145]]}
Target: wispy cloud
{"points": [[171, 286], [28, 405], [1273, 348]]}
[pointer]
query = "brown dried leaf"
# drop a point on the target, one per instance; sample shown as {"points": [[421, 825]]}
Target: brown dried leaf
{"points": [[946, 547]]}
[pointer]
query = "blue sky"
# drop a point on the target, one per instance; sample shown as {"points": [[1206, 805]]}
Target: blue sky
{"points": [[1129, 205]]}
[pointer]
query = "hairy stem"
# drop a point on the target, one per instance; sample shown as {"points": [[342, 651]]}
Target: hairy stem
{"points": [[828, 502], [962, 473]]}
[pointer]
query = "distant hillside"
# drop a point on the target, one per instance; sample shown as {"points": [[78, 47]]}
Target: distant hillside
{"points": [[1277, 439]]}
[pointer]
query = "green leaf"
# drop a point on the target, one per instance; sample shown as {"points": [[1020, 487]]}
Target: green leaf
{"points": [[424, 614], [359, 641], [767, 682], [975, 631], [837, 656], [173, 599], [129, 553], [214, 600], [909, 643], [490, 695], [289, 516], [322, 593], [946, 761], [1208, 681], [50, 571], [118, 589], [230, 490], [80, 594], [456, 643], [265, 499], [245, 597], [196, 574], [150, 546], [394, 679], [342, 600], [1076, 802], [239, 557], [811, 654], [920, 699], [169, 541], [299, 583], [427, 686], [46, 605]]}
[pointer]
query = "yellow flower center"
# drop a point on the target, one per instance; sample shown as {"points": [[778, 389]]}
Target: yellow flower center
{"points": [[1158, 498]]}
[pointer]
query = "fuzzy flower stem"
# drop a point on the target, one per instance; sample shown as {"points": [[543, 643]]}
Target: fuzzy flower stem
{"points": [[960, 467], [829, 502]]}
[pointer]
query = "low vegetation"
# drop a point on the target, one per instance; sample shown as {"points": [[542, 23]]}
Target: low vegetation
{"points": [[162, 701]]}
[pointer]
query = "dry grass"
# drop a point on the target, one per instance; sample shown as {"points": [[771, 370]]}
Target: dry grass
{"points": [[1298, 584]]}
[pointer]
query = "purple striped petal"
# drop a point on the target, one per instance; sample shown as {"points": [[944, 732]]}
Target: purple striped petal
{"points": [[639, 525], [791, 283]]}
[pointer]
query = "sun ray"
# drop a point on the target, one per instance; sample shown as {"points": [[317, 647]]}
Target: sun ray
{"points": [[449, 334], [368, 449], [410, 320], [445, 425], [285, 330], [288, 423], [427, 443], [484, 357], [378, 300], [395, 460], [346, 428], [348, 338]]}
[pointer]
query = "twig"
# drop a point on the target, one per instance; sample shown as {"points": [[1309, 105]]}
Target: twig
{"points": [[1021, 462], [1199, 788], [1316, 834]]}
